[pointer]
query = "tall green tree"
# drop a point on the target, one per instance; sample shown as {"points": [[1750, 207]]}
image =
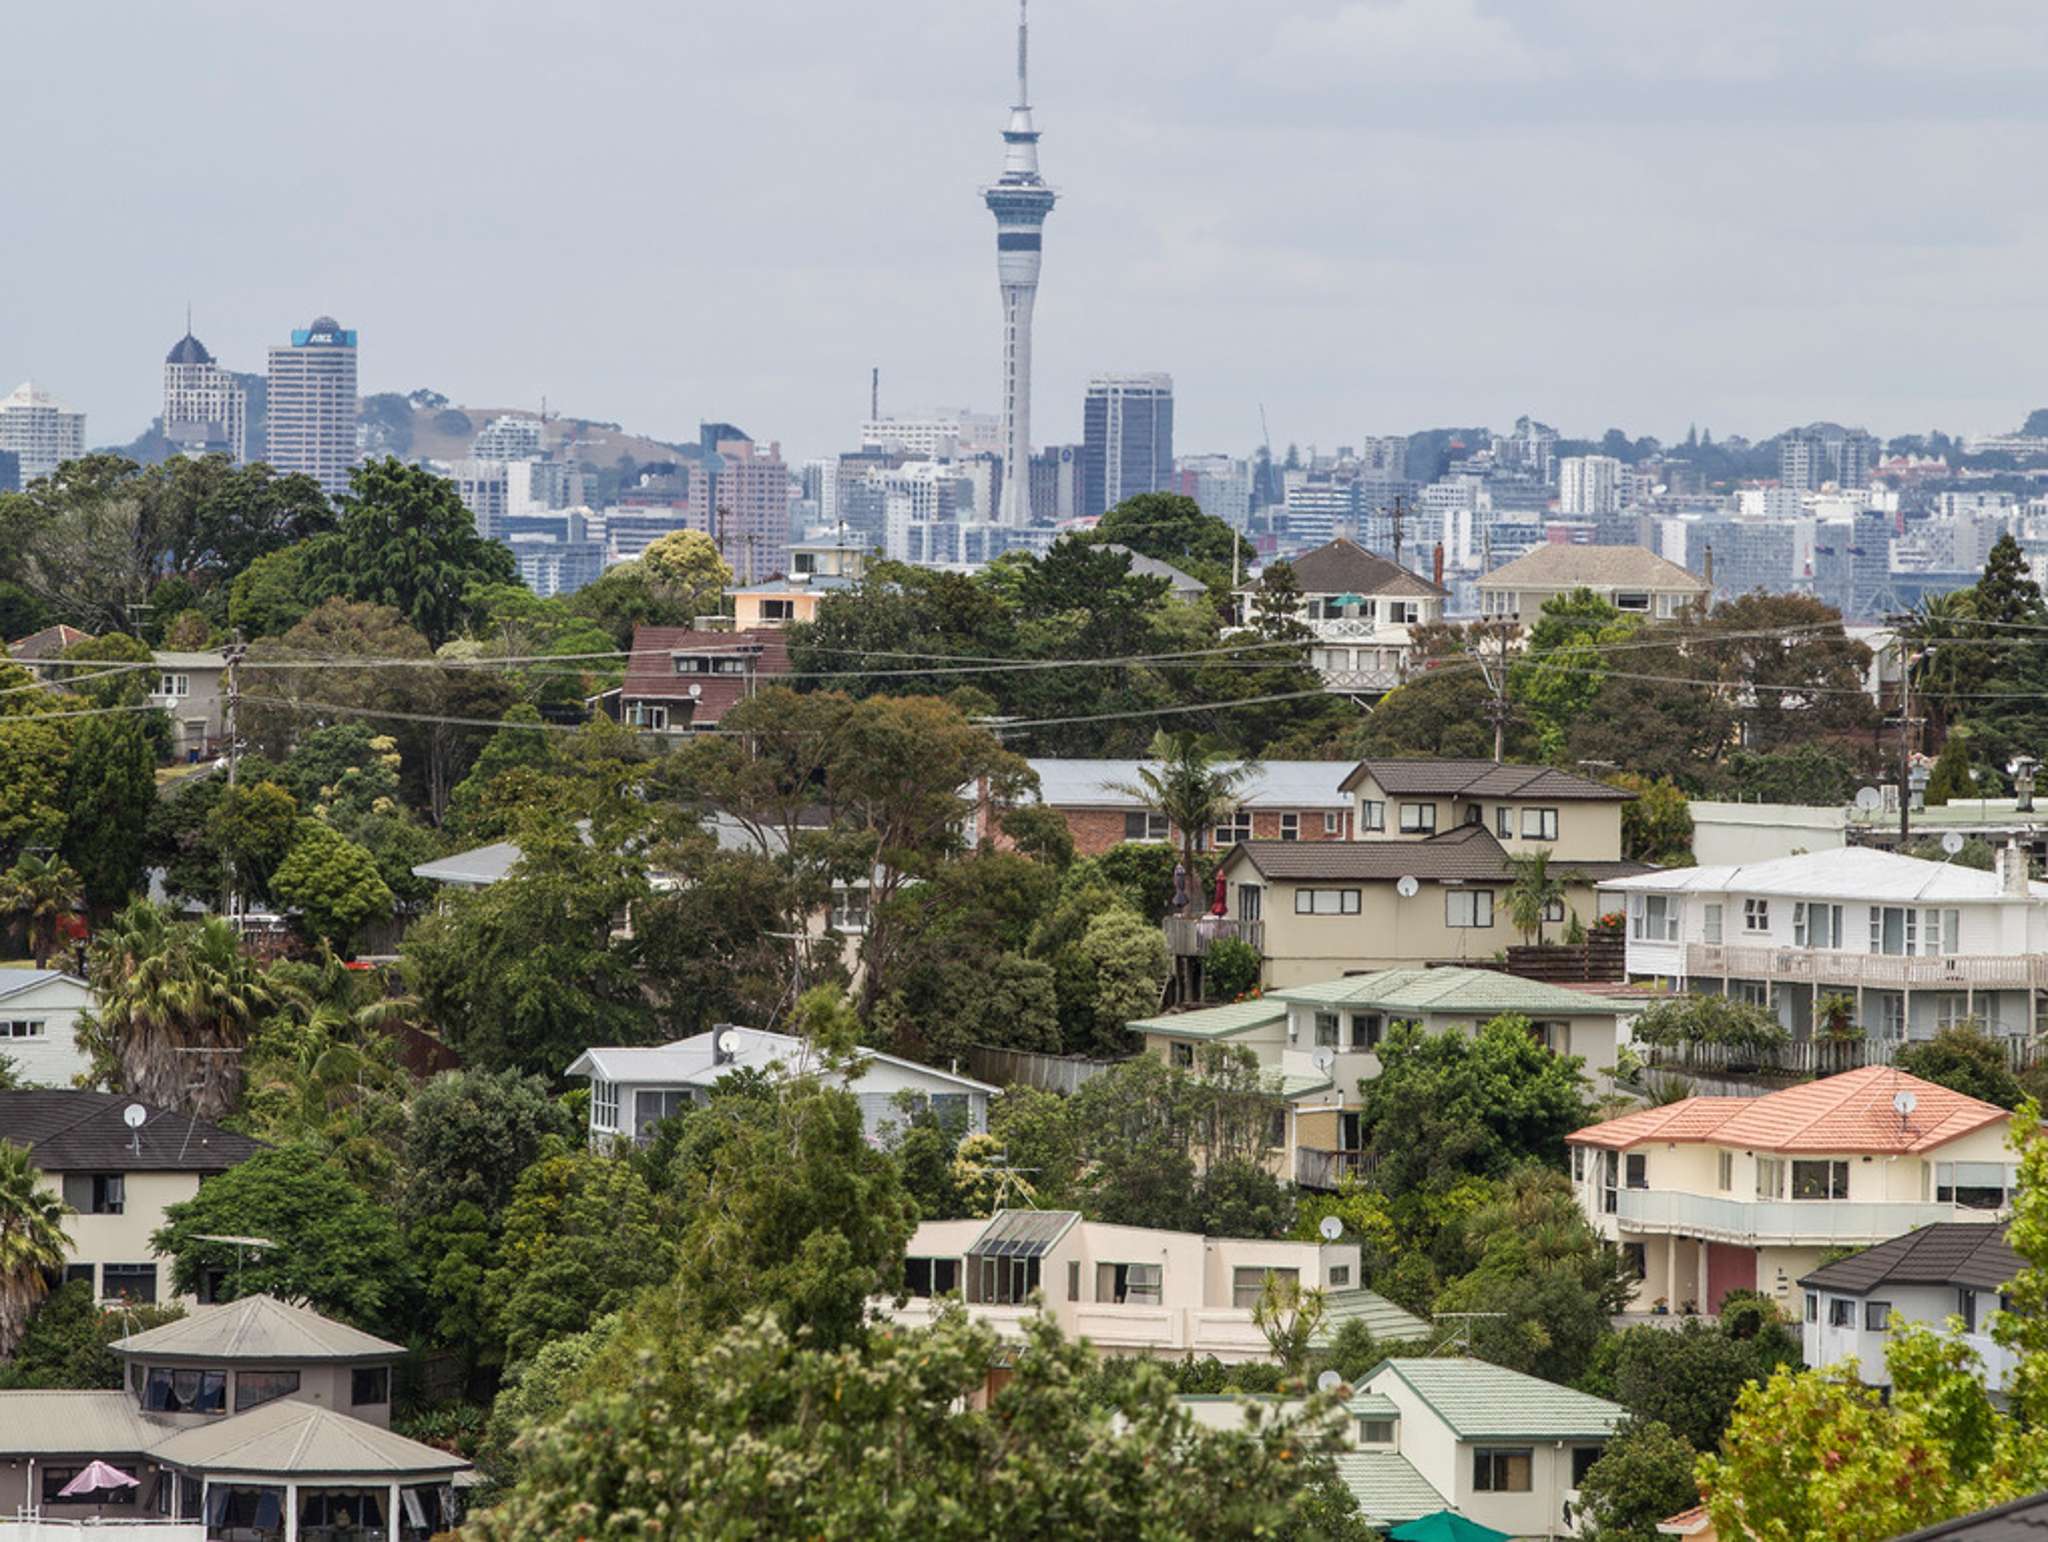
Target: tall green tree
{"points": [[109, 791], [1560, 670], [33, 1246], [1644, 1475], [332, 883]]}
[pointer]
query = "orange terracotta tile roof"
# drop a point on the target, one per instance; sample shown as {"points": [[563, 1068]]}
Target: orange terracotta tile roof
{"points": [[1850, 1112]]}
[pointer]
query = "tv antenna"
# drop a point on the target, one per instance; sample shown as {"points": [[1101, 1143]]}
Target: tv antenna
{"points": [[1461, 1330]]}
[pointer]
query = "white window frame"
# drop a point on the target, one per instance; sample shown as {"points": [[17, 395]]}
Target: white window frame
{"points": [[174, 685], [1290, 827], [1639, 917], [1155, 825], [849, 909], [1239, 829], [649, 714], [604, 1105], [1504, 821], [1710, 923], [1545, 822], [1474, 906], [1240, 1287], [1333, 824], [24, 1028], [1311, 902], [1816, 924]]}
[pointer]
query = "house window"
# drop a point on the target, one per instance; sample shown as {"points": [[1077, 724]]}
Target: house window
{"points": [[651, 1106], [1290, 827], [1145, 827], [1877, 1316], [1583, 1458], [1403, 612], [1365, 1030], [369, 1384], [1504, 821], [928, 1277], [1340, 1276], [1248, 1284], [1251, 902], [1553, 910], [1756, 915], [1372, 814], [175, 1391], [1815, 925], [131, 1282], [1128, 1284], [1894, 929], [1812, 1307], [1972, 1185], [1610, 1181], [1638, 1170], [1326, 902], [1181, 1056], [1578, 1164], [1940, 931], [604, 1105], [1326, 1030], [1468, 907], [1966, 1308], [1502, 1470], [849, 910], [1239, 829], [778, 610], [1727, 1172], [1654, 917], [1418, 819], [1539, 824], [1073, 1279], [1333, 824], [1820, 1180], [1951, 1008], [1710, 923], [1841, 1313], [1637, 1256], [174, 685], [1636, 602], [1375, 1432], [1770, 1177], [95, 1193], [255, 1388], [647, 714], [23, 1028], [1892, 1015]]}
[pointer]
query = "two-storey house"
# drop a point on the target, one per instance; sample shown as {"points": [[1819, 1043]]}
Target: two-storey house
{"points": [[1926, 1277], [1708, 1195], [188, 686], [816, 569], [1633, 579], [39, 1012], [1918, 944], [1363, 611], [1425, 876], [680, 679], [117, 1178], [1318, 1042], [1283, 800], [252, 1419]]}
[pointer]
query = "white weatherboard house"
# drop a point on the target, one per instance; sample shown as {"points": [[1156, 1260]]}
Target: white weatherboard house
{"points": [[39, 1011], [1918, 944], [634, 1089]]}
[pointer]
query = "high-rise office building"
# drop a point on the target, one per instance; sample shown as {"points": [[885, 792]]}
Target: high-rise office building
{"points": [[311, 425], [1588, 484], [10, 472], [40, 430], [206, 411], [748, 501], [1020, 201], [1127, 426]]}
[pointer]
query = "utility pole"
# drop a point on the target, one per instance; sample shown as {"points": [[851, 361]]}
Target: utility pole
{"points": [[1907, 723], [233, 724], [1400, 510], [1497, 682]]}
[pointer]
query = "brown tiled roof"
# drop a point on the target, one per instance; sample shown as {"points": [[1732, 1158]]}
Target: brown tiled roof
{"points": [[1467, 853], [1556, 565], [1971, 1253], [48, 643], [651, 674], [1482, 779], [1345, 567]]}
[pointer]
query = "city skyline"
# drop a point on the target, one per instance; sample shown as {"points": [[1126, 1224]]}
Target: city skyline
{"points": [[1356, 284]]}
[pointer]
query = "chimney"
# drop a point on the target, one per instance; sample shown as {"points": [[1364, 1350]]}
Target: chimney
{"points": [[2012, 869], [1438, 564]]}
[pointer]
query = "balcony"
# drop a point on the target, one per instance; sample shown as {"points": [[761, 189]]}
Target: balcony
{"points": [[1786, 1222], [1877, 971], [1315, 1168], [1343, 629], [1361, 679], [1194, 936]]}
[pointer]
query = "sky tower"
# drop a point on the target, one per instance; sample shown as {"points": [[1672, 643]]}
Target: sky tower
{"points": [[1020, 201]]}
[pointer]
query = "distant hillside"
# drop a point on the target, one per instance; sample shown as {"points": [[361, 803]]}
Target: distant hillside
{"points": [[434, 430]]}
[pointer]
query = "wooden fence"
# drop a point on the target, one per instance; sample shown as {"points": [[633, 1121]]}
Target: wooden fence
{"points": [[1603, 956], [1024, 1068], [1809, 1057]]}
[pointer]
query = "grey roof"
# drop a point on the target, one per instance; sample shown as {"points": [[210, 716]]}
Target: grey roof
{"points": [[188, 350], [1389, 1491], [1389, 1323], [1557, 566], [289, 1438], [1489, 1402], [1466, 853], [17, 982], [68, 1130], [1143, 566], [1483, 779], [481, 866], [2017, 1520], [1022, 1233], [1451, 989], [258, 1328], [1846, 872], [1960, 1253], [1280, 784], [692, 1062], [1344, 567], [102, 1424], [1215, 1022]]}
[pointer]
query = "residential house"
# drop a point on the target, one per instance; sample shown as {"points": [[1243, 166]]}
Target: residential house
{"points": [[1320, 1041], [816, 569], [1713, 1194], [1504, 1449], [252, 1419], [1363, 611], [1129, 1290], [39, 1011], [634, 1089], [1947, 1269], [117, 1178], [38, 649], [2017, 1520], [1695, 1524], [1180, 586], [1285, 800], [680, 680], [1919, 945], [190, 688], [1633, 579], [1727, 833]]}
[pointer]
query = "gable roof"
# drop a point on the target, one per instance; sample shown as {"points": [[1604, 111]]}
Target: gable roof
{"points": [[259, 1328], [1480, 1401], [1849, 1112], [1966, 1253], [48, 643], [1390, 1323], [1215, 1022], [67, 1130], [1462, 854], [290, 1438], [2017, 1520], [1451, 989], [651, 674], [1343, 566], [19, 982], [1072, 782], [1555, 565], [1482, 779], [692, 1062], [1850, 872]]}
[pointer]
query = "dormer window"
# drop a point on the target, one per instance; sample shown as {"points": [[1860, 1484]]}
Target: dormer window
{"points": [[1375, 1432]]}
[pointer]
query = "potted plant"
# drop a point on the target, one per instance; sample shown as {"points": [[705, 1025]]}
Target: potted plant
{"points": [[1661, 1307]]}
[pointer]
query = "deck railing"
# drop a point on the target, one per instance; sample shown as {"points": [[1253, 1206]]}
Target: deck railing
{"points": [[1193, 936]]}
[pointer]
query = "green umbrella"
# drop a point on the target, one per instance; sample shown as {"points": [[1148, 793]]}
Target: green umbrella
{"points": [[1448, 1526]]}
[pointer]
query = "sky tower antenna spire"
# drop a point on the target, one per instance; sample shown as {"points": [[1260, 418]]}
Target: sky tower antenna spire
{"points": [[1023, 54]]}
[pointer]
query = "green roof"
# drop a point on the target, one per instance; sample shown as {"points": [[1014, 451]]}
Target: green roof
{"points": [[1373, 1405], [1214, 1022], [1488, 1402], [1388, 1322], [1387, 1487], [1475, 991], [1294, 1084]]}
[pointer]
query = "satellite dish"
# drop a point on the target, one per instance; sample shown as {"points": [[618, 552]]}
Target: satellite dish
{"points": [[1952, 842], [1905, 1103], [1869, 799], [1407, 886], [135, 1116], [1329, 1381], [696, 691], [728, 1043], [1325, 1058], [1331, 1228]]}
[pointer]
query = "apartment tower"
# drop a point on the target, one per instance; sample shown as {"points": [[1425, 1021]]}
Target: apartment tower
{"points": [[311, 425]]}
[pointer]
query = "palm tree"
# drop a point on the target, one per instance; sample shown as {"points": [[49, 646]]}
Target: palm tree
{"points": [[43, 891], [176, 1002], [1193, 785], [32, 1241], [1945, 664], [1533, 890]]}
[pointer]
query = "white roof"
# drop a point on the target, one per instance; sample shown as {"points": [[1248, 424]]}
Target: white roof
{"points": [[690, 1062], [490, 864], [1850, 872], [29, 394], [1065, 783]]}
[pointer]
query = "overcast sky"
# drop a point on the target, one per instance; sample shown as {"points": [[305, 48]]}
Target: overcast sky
{"points": [[1372, 216]]}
